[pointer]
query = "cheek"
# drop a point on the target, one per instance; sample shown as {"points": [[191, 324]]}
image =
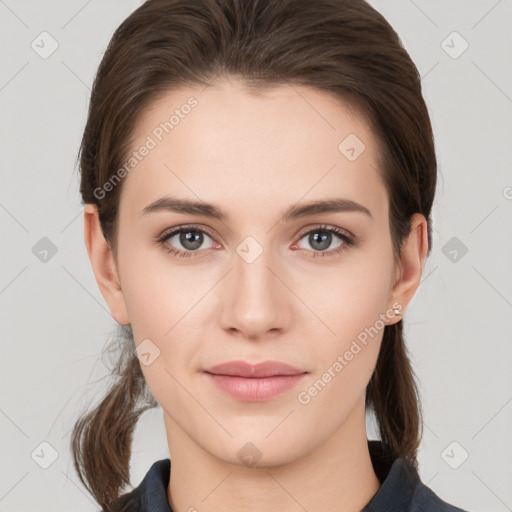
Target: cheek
{"points": [[352, 308], [349, 298], [346, 357], [160, 301], [156, 293]]}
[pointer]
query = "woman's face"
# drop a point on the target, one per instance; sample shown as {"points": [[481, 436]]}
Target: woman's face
{"points": [[268, 281]]}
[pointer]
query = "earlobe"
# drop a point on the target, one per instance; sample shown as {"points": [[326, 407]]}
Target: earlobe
{"points": [[412, 258], [103, 265]]}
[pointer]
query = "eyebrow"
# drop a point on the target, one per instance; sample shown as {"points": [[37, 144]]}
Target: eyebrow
{"points": [[297, 211]]}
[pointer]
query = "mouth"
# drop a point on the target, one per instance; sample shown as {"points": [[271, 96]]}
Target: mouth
{"points": [[254, 383], [248, 370]]}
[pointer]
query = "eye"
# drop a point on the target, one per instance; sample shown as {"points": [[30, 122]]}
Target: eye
{"points": [[321, 238], [190, 238]]}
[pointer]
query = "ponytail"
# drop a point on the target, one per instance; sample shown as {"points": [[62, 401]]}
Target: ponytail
{"points": [[101, 439], [393, 395]]}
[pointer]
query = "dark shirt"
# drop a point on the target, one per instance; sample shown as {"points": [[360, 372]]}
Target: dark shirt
{"points": [[401, 489]]}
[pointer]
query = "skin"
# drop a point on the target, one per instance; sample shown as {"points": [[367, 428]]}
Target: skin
{"points": [[254, 155]]}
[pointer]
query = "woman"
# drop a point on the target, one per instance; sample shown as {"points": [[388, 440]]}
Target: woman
{"points": [[258, 180]]}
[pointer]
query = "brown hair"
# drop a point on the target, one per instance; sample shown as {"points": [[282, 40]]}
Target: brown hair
{"points": [[342, 47]]}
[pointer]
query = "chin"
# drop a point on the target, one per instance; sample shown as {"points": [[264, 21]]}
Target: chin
{"points": [[253, 450]]}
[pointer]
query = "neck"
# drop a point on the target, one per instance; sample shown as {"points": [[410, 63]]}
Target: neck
{"points": [[337, 475]]}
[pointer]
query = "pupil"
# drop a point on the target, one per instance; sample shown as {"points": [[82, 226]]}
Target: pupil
{"points": [[191, 239], [324, 240]]}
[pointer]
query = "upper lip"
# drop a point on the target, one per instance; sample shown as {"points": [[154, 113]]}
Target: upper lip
{"points": [[244, 369]]}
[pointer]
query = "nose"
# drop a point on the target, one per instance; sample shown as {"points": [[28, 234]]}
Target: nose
{"points": [[255, 299]]}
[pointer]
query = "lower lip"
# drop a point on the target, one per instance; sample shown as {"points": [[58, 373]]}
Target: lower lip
{"points": [[255, 389]]}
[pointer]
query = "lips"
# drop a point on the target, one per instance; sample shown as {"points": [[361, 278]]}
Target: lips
{"points": [[248, 370], [254, 382]]}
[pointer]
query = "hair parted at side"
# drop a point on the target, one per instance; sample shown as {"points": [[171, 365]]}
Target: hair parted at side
{"points": [[342, 47]]}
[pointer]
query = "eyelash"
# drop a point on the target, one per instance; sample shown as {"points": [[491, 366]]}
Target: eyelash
{"points": [[347, 240]]}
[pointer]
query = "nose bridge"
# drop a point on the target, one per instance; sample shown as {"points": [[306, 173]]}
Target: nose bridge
{"points": [[256, 301]]}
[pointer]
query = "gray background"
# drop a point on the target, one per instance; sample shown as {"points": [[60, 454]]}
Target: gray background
{"points": [[55, 322]]}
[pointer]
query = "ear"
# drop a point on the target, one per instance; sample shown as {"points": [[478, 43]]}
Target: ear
{"points": [[410, 266], [104, 265]]}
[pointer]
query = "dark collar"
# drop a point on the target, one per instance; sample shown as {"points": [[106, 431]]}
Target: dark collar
{"points": [[400, 490]]}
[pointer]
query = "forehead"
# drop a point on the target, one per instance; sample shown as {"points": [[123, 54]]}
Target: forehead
{"points": [[277, 146]]}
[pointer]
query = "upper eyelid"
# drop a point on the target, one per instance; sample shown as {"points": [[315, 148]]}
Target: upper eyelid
{"points": [[173, 231], [326, 227]]}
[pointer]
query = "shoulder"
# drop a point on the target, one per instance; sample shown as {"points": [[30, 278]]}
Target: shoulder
{"points": [[129, 502], [426, 500], [401, 489], [151, 494]]}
